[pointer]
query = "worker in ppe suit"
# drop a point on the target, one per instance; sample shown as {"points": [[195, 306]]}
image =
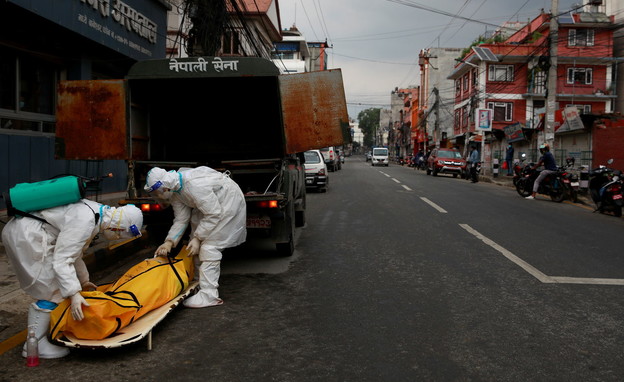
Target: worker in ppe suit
{"points": [[214, 205], [47, 254]]}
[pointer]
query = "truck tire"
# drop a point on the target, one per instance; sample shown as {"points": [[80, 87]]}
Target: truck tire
{"points": [[288, 248]]}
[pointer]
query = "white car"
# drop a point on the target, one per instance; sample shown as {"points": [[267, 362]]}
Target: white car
{"points": [[315, 170]]}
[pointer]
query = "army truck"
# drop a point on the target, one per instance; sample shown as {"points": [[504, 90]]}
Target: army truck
{"points": [[234, 114]]}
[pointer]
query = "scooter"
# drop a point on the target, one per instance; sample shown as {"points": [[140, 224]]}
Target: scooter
{"points": [[552, 185], [605, 188]]}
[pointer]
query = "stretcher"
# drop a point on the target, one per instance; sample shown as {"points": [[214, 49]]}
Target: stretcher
{"points": [[132, 333], [126, 311]]}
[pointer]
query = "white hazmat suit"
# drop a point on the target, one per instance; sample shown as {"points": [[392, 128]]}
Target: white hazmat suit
{"points": [[214, 205], [47, 257]]}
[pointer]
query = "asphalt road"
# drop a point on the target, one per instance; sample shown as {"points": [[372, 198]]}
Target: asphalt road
{"points": [[397, 276]]}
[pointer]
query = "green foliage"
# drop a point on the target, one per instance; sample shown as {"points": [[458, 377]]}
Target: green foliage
{"points": [[499, 37], [369, 123]]}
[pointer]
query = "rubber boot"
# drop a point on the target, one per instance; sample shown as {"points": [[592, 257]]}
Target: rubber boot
{"points": [[39, 319], [208, 294]]}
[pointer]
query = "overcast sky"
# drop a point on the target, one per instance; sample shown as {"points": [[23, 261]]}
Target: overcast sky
{"points": [[376, 42]]}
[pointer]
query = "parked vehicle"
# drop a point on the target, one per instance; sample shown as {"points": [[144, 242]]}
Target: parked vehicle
{"points": [[518, 167], [332, 160], [552, 185], [369, 156], [379, 156], [136, 119], [316, 170], [445, 161], [605, 188], [570, 181]]}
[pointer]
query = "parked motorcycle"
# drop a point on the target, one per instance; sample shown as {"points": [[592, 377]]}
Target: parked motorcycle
{"points": [[552, 185], [605, 188], [570, 181]]}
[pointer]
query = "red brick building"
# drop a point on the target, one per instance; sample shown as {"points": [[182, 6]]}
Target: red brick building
{"points": [[510, 78]]}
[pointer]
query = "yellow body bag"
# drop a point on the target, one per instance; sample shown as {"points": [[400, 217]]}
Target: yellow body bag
{"points": [[143, 288]]}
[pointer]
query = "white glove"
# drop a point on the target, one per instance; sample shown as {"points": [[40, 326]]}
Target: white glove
{"points": [[164, 248], [88, 286], [77, 301], [193, 247]]}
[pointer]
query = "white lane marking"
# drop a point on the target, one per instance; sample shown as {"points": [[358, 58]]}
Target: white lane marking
{"points": [[432, 204], [384, 174], [396, 180], [407, 188], [536, 272]]}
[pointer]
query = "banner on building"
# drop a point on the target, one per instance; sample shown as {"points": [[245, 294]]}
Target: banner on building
{"points": [[483, 119], [570, 118], [514, 132]]}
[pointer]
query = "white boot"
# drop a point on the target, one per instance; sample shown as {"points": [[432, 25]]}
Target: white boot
{"points": [[39, 320], [208, 294]]}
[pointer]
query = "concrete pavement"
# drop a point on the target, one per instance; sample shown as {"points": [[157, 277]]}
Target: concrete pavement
{"points": [[105, 264]]}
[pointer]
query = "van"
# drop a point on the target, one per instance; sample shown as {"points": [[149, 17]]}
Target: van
{"points": [[380, 156]]}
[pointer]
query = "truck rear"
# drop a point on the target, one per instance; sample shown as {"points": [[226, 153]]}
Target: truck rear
{"points": [[236, 114]]}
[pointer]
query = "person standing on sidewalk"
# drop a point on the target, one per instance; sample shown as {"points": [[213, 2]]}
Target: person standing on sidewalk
{"points": [[46, 253], [509, 159], [473, 160]]}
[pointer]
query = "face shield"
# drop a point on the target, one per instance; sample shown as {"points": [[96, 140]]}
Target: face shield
{"points": [[160, 183]]}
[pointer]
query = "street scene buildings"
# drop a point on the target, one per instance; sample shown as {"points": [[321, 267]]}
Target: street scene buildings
{"points": [[507, 73]]}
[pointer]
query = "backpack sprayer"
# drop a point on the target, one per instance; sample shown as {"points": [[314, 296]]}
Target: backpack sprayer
{"points": [[25, 198]]}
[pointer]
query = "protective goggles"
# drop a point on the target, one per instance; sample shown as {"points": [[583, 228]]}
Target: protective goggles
{"points": [[155, 186], [133, 229]]}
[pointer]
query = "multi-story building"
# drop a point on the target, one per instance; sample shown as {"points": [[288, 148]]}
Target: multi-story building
{"points": [[509, 78], [291, 55], [436, 98], [42, 43], [403, 128]]}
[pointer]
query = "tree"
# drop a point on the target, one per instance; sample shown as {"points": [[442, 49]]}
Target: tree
{"points": [[369, 123]]}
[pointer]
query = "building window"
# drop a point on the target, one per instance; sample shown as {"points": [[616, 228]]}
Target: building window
{"points": [[466, 82], [503, 111], [501, 73], [457, 87], [581, 37], [475, 78], [27, 93], [465, 115], [231, 43], [581, 76], [582, 109]]}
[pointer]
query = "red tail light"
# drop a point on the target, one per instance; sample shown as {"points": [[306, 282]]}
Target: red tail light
{"points": [[616, 188], [267, 204], [150, 207]]}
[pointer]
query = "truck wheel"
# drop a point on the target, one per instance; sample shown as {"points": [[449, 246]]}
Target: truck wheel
{"points": [[286, 249], [299, 218]]}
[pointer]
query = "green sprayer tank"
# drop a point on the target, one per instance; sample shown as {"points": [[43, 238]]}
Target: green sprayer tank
{"points": [[28, 197]]}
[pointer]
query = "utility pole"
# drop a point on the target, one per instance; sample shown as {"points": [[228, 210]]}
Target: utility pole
{"points": [[551, 97], [436, 111]]}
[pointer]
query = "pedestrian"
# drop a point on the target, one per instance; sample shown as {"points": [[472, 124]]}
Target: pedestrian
{"points": [[47, 254], [473, 160], [509, 159], [214, 205]]}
